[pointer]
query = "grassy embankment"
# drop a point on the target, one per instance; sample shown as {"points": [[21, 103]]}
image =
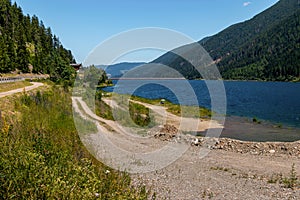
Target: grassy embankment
{"points": [[139, 115], [179, 110], [42, 156]]}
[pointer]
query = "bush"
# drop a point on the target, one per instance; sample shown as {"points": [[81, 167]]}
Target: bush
{"points": [[292, 180], [139, 114]]}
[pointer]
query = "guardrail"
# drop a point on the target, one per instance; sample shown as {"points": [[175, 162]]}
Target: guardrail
{"points": [[22, 78], [11, 79]]}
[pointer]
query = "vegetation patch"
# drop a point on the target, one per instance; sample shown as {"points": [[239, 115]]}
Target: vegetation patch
{"points": [[84, 126], [103, 110], [255, 120], [291, 181], [179, 110], [220, 169], [139, 114], [42, 157]]}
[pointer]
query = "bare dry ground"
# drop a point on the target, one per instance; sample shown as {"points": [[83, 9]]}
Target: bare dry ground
{"points": [[232, 169], [227, 174]]}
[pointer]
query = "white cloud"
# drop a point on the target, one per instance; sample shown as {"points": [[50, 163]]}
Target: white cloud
{"points": [[246, 3]]}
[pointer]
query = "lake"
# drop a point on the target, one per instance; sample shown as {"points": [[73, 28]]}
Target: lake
{"points": [[275, 102]]}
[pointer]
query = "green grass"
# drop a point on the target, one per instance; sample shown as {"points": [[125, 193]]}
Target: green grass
{"points": [[132, 114], [291, 181], [4, 87], [103, 110], [42, 157], [179, 110], [84, 126], [185, 111], [139, 114], [136, 122]]}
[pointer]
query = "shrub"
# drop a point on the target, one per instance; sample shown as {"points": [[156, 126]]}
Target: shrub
{"points": [[292, 180], [139, 114]]}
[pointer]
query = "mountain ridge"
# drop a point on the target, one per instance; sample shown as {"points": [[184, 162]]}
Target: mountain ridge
{"points": [[235, 40], [117, 70]]}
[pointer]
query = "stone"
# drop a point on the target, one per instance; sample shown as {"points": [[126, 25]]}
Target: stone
{"points": [[272, 151], [195, 142]]}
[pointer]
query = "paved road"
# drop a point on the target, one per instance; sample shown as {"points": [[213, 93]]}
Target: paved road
{"points": [[11, 92]]}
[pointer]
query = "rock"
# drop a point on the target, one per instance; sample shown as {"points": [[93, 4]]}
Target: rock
{"points": [[144, 117], [167, 132], [272, 151], [195, 142], [284, 148]]}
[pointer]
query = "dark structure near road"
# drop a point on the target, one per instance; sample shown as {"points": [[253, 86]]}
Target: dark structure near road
{"points": [[76, 66]]}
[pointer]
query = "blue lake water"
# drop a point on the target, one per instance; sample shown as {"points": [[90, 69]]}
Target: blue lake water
{"points": [[276, 102]]}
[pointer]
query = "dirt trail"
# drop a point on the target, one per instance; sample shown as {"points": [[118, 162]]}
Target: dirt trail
{"points": [[233, 169], [31, 87], [120, 135]]}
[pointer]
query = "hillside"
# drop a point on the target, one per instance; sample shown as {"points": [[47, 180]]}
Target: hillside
{"points": [[117, 70], [273, 55], [265, 47], [25, 41]]}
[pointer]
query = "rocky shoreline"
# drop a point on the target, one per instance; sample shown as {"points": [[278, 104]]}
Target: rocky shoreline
{"points": [[233, 169], [171, 133]]}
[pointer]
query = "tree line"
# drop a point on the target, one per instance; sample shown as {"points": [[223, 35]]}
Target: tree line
{"points": [[26, 45], [273, 55], [266, 47]]}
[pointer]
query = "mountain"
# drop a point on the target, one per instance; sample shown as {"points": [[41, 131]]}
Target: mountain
{"points": [[273, 55], [117, 70], [265, 47], [26, 45]]}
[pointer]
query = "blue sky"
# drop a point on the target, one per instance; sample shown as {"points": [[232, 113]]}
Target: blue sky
{"points": [[82, 24]]}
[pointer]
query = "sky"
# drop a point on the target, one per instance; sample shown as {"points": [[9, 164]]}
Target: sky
{"points": [[81, 25]]}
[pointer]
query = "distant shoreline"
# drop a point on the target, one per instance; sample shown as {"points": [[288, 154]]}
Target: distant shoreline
{"points": [[226, 80], [150, 78]]}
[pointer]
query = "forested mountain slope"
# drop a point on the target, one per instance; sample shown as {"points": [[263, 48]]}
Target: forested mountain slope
{"points": [[265, 47], [25, 41], [273, 55]]}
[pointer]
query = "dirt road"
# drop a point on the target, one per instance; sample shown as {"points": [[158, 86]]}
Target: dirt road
{"points": [[232, 170], [11, 92]]}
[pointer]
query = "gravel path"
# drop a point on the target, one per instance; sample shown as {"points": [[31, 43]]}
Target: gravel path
{"points": [[223, 175]]}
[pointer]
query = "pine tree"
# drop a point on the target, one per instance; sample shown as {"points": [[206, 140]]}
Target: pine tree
{"points": [[25, 40]]}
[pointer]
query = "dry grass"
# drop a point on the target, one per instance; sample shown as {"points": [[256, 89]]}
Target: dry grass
{"points": [[4, 87]]}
